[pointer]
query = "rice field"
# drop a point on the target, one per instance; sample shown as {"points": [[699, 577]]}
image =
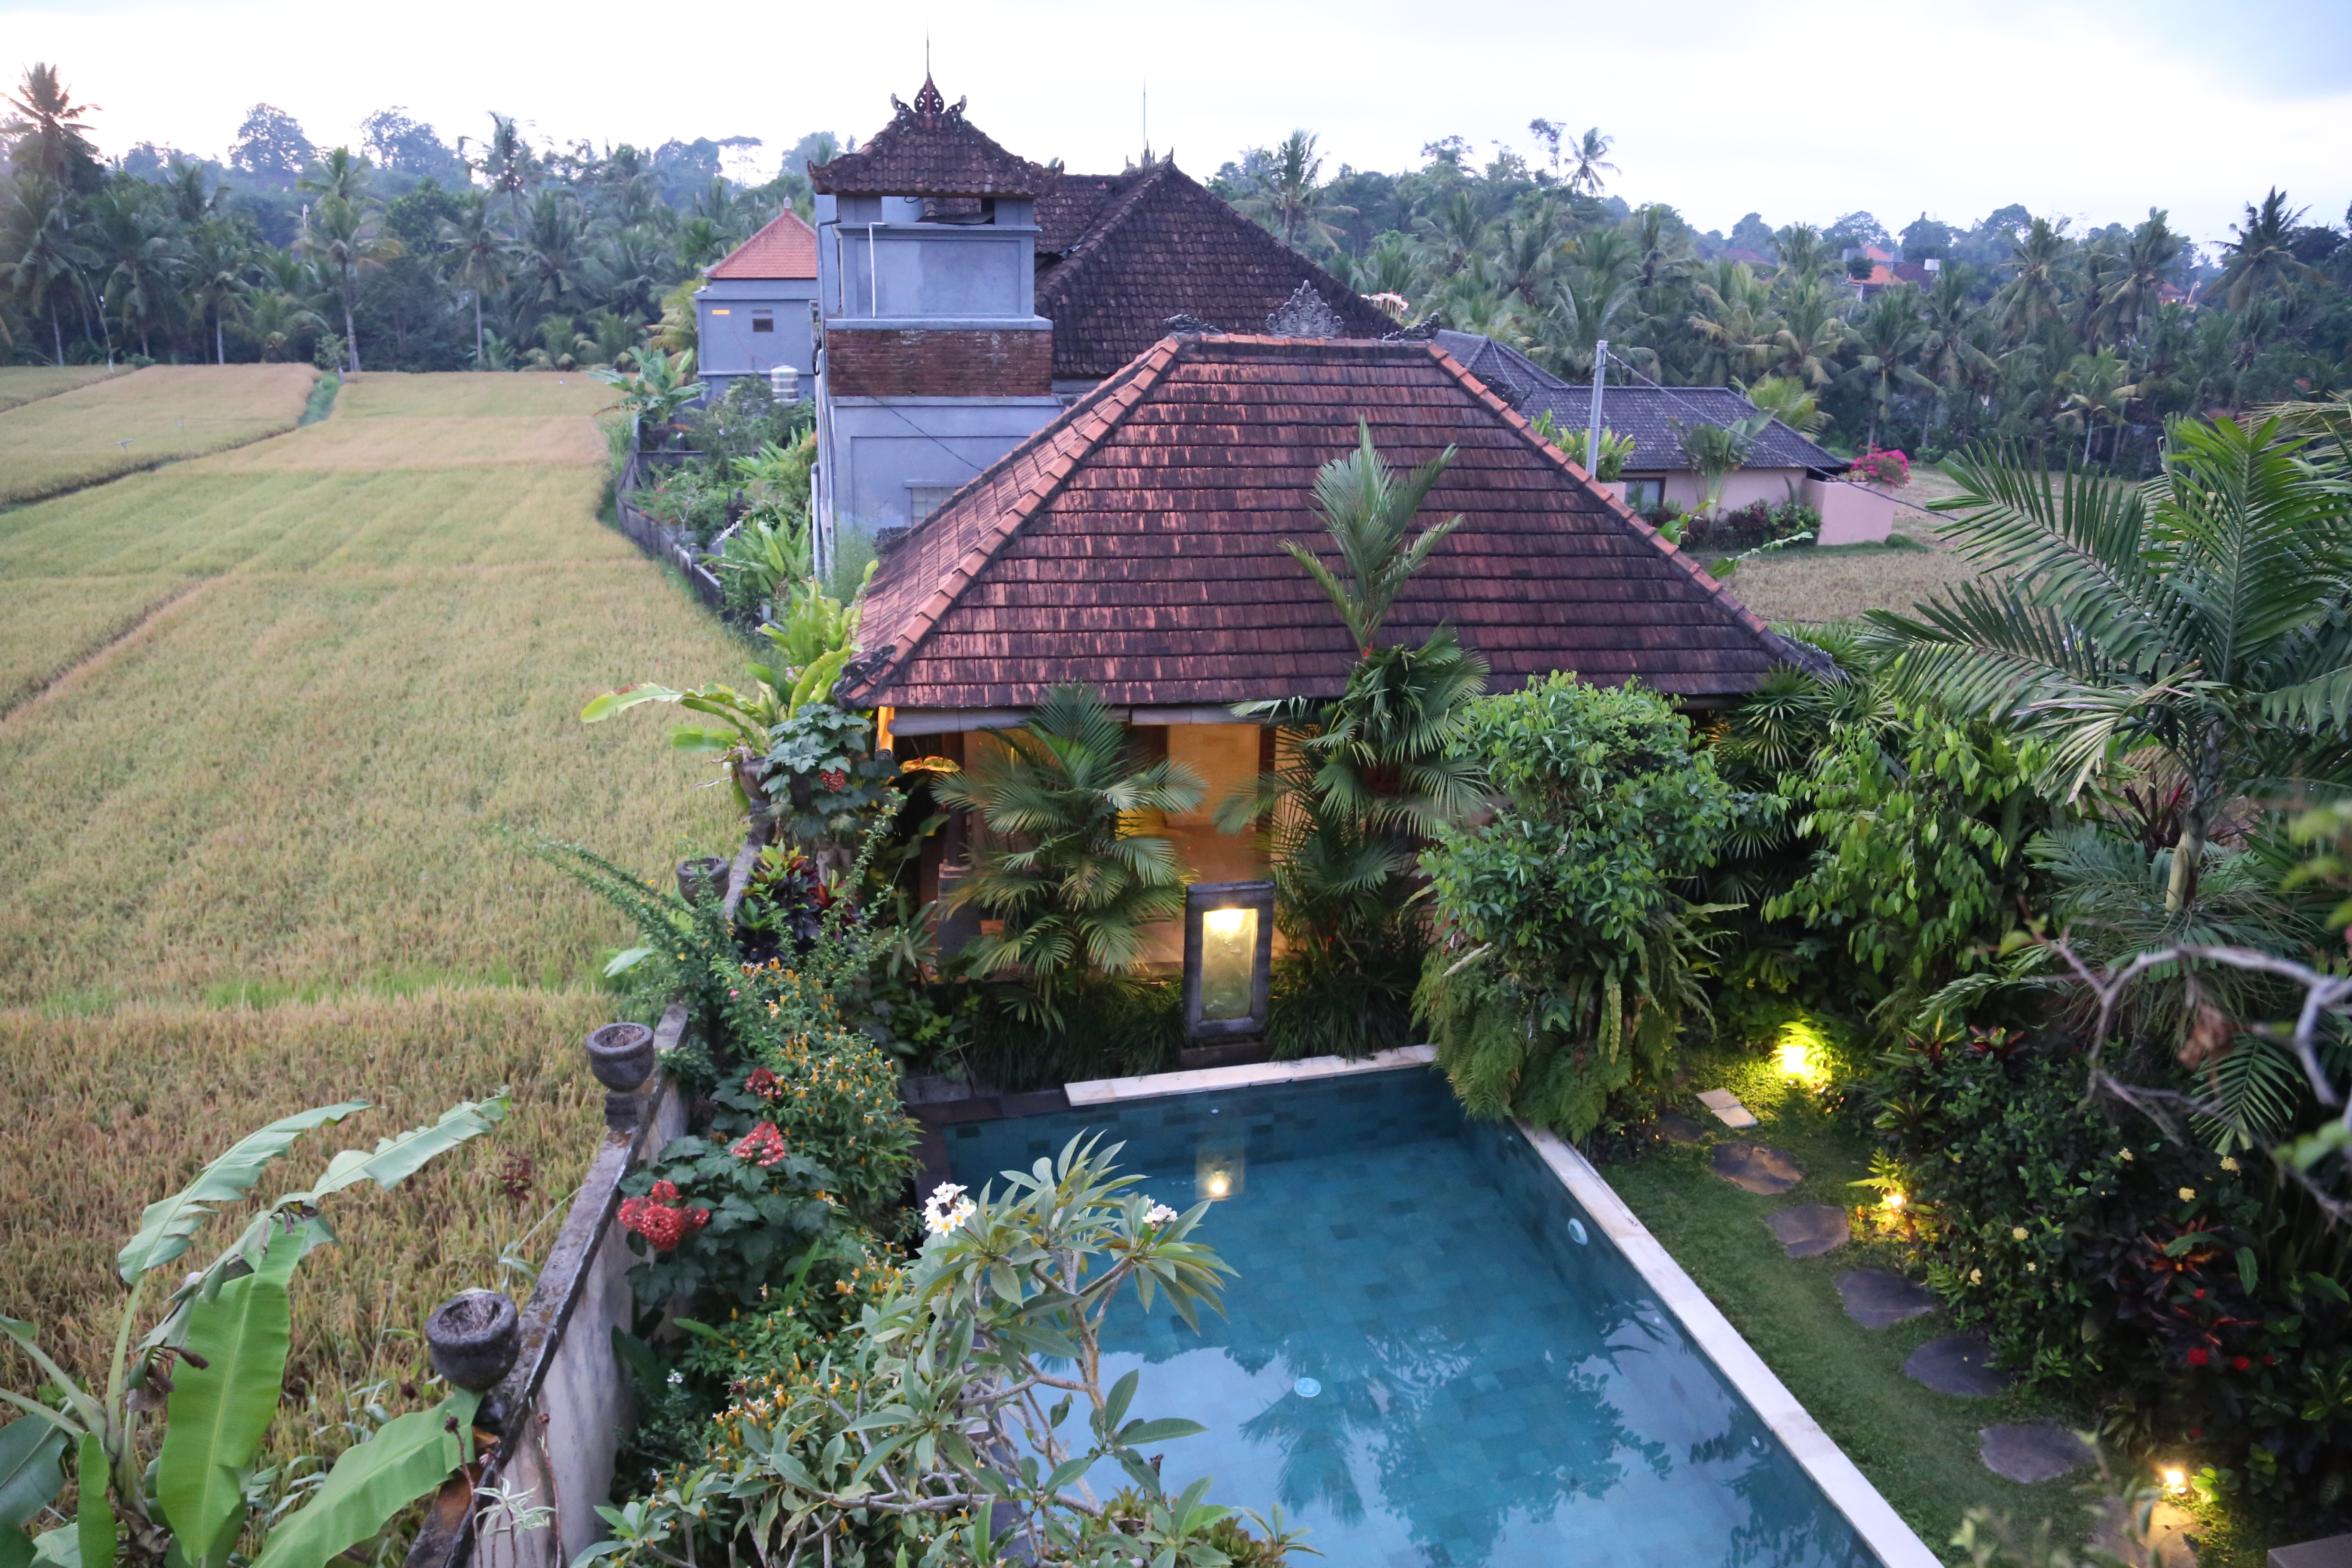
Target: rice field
{"points": [[262, 716], [1811, 587], [141, 419], [30, 382]]}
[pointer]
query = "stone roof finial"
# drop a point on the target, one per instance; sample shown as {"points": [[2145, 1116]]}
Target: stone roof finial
{"points": [[1305, 315]]}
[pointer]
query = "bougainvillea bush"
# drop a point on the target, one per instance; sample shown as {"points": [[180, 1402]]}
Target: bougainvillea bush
{"points": [[1882, 466], [2179, 1289]]}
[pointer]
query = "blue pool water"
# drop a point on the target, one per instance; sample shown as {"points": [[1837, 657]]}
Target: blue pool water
{"points": [[1486, 1388]]}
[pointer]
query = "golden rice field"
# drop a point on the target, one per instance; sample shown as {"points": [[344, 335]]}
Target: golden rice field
{"points": [[1841, 584], [141, 419], [29, 382], [268, 710]]}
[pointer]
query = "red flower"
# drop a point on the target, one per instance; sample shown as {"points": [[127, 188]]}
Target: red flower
{"points": [[764, 1145], [2239, 1364], [2198, 1357], [833, 779], [2200, 1293], [661, 1225], [664, 1193], [763, 1083]]}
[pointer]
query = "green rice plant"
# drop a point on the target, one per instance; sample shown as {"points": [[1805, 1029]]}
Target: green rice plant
{"points": [[21, 384], [142, 420]]}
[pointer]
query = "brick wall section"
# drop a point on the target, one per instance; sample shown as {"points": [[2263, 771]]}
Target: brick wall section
{"points": [[893, 363]]}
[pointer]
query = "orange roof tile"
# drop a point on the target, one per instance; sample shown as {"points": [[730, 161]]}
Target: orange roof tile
{"points": [[785, 248]]}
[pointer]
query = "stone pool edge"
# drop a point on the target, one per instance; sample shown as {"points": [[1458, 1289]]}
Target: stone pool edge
{"points": [[1841, 1481], [1159, 1084]]}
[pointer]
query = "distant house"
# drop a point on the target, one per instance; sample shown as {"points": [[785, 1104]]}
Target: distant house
{"points": [[1781, 466], [967, 294], [754, 313], [1135, 545]]}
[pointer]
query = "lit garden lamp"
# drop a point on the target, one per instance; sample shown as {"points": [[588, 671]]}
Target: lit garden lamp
{"points": [[1228, 961]]}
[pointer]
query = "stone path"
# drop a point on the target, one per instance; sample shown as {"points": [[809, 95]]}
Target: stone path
{"points": [[1680, 1129], [1877, 1300], [1766, 1171], [2034, 1452], [1810, 1230], [1958, 1364], [1726, 1108]]}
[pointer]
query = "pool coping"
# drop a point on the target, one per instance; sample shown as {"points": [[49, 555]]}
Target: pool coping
{"points": [[1850, 1491]]}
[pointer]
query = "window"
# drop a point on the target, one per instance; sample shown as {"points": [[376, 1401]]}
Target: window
{"points": [[763, 321], [924, 500], [1645, 493], [719, 311]]}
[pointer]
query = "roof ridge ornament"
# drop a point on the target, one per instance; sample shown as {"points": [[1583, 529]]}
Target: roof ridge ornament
{"points": [[929, 111], [1305, 315]]}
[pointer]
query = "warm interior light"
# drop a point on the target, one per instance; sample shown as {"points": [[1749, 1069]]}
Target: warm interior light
{"points": [[1228, 963], [2175, 1480]]}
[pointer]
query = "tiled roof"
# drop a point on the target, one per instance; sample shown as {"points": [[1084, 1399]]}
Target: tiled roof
{"points": [[1645, 413], [785, 248], [1118, 255], [930, 149], [1135, 544]]}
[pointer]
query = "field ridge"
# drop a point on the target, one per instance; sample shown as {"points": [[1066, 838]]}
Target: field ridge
{"points": [[34, 690]]}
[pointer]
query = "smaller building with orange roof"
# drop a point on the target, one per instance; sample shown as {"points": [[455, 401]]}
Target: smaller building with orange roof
{"points": [[755, 312]]}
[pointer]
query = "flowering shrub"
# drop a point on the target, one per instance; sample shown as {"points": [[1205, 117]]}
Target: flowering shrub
{"points": [[726, 1219], [1883, 466], [660, 1218], [2162, 1275]]}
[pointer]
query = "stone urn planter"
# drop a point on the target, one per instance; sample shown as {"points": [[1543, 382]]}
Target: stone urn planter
{"points": [[621, 1056], [474, 1338], [702, 880]]}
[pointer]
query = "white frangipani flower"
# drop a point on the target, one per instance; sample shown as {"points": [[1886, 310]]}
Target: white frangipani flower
{"points": [[1159, 1214], [947, 1208]]}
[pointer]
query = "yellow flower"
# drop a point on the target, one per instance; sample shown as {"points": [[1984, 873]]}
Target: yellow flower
{"points": [[2187, 1195], [2125, 1153], [2017, 1232], [1976, 1276], [2228, 1163], [2030, 1268]]}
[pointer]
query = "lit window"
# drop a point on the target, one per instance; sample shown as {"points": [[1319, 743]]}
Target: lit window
{"points": [[721, 310]]}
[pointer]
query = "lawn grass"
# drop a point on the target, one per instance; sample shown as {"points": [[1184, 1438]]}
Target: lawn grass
{"points": [[252, 846], [21, 384], [1918, 1446], [141, 419]]}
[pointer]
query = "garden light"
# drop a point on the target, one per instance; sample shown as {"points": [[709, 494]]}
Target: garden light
{"points": [[1228, 959], [2175, 1480], [1803, 1054], [1895, 1200]]}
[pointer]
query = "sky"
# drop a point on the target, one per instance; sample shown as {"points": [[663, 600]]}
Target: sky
{"points": [[1798, 110]]}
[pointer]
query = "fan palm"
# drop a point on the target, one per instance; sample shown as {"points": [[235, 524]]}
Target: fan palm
{"points": [[1052, 857], [2203, 612]]}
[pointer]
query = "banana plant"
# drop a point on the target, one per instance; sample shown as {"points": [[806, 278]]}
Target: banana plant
{"points": [[214, 1364]]}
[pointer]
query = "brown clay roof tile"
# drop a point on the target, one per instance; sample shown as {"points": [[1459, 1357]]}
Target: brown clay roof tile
{"points": [[783, 248], [929, 148]]}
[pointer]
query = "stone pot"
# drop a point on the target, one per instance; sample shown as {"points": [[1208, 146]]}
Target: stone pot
{"points": [[702, 880], [474, 1338], [621, 1056]]}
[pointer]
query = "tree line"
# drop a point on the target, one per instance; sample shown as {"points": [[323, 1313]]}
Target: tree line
{"points": [[2016, 327]]}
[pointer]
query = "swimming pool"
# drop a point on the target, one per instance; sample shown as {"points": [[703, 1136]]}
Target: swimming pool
{"points": [[1432, 1357]]}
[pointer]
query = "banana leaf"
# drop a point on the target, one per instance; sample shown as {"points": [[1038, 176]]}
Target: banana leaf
{"points": [[165, 1228], [220, 1412], [408, 1457], [30, 1475], [94, 1527]]}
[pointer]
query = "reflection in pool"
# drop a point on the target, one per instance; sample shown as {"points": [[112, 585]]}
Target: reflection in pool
{"points": [[1488, 1390]]}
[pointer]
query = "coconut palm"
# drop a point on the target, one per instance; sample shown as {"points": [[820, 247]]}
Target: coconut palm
{"points": [[219, 265], [1809, 336], [1885, 342], [1585, 162], [1789, 401], [137, 255], [1804, 254], [2261, 255], [345, 232], [50, 137], [2136, 280], [479, 258], [553, 252], [1735, 319], [508, 165], [2201, 613], [2096, 395], [2035, 286], [1290, 199], [41, 258]]}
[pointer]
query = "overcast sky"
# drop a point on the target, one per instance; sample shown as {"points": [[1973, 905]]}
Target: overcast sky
{"points": [[1800, 110]]}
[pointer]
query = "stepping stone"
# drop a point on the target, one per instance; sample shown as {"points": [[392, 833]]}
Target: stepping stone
{"points": [[1766, 1171], [1812, 1230], [1958, 1364], [1680, 1129], [1877, 1300], [1726, 1108], [2034, 1452]]}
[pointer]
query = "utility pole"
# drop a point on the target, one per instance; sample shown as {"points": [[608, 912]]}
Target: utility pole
{"points": [[1593, 430]]}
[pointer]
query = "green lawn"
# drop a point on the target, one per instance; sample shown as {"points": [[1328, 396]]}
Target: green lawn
{"points": [[1918, 1446]]}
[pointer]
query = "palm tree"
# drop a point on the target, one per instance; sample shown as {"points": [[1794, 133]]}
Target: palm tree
{"points": [[553, 250], [1810, 335], [478, 256], [40, 255], [1884, 344], [1290, 199], [134, 245], [508, 165], [1789, 400], [1586, 155], [2095, 395], [2034, 288], [51, 140], [2261, 257], [2201, 614], [1054, 857], [2137, 281], [345, 230], [1735, 319], [1804, 254]]}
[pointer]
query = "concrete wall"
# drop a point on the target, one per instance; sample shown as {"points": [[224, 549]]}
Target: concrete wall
{"points": [[726, 311], [876, 260], [890, 456], [1852, 513], [1744, 488]]}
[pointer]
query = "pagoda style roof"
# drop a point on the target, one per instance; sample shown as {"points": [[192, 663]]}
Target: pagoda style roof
{"points": [[929, 148], [1119, 255], [783, 248], [1135, 545]]}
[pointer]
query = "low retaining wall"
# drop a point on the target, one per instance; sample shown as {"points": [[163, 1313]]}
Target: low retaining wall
{"points": [[662, 543], [552, 1430]]}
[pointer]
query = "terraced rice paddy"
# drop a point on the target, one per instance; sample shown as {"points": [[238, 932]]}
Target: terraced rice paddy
{"points": [[141, 419], [264, 713]]}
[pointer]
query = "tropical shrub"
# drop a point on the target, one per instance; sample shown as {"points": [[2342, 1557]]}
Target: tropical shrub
{"points": [[1568, 950], [1055, 857], [927, 1434], [1880, 465], [2194, 1297], [214, 1362]]}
